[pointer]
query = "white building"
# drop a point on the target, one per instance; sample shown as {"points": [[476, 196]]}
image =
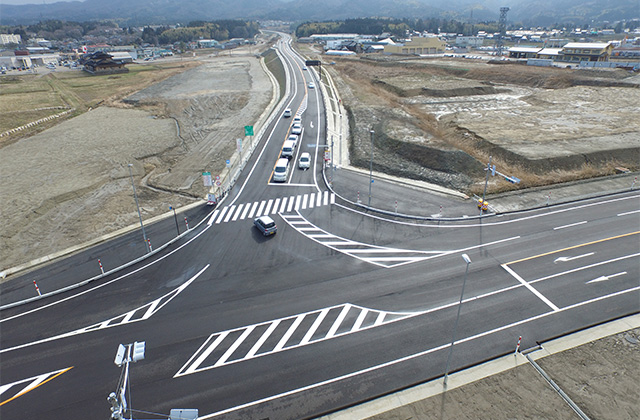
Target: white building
{"points": [[10, 39]]}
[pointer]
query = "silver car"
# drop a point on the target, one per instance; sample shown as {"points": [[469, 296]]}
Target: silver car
{"points": [[266, 225]]}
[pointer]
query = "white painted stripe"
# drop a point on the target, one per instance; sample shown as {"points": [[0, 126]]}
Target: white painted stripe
{"points": [[213, 217], [128, 316], [253, 210], [230, 213], [221, 361], [628, 212], [238, 212], [607, 277], [320, 235], [307, 337], [389, 250], [343, 242], [268, 208], [586, 267], [275, 205], [222, 213], [284, 205], [338, 321], [399, 360], [307, 229], [304, 201], [358, 324], [382, 259], [246, 210], [207, 352], [298, 199], [291, 202], [379, 319], [319, 199], [333, 198], [262, 339], [259, 212], [311, 200], [326, 198], [151, 309], [528, 286], [289, 333], [571, 225]]}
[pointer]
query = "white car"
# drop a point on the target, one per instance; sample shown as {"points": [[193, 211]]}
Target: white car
{"points": [[297, 119], [311, 85], [287, 113], [293, 138], [305, 161], [304, 67], [296, 129]]}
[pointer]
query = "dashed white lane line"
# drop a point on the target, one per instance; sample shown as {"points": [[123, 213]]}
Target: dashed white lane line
{"points": [[246, 210], [268, 208], [259, 213], [570, 225], [530, 287], [627, 213], [275, 206], [290, 206]]}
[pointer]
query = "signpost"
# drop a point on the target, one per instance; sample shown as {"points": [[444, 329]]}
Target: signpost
{"points": [[248, 130], [239, 144], [206, 179]]}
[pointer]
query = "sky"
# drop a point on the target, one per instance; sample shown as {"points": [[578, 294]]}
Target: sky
{"points": [[20, 2]]}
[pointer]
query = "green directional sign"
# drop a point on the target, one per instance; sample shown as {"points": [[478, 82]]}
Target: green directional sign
{"points": [[248, 130]]}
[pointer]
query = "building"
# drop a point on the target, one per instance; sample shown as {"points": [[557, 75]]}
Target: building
{"points": [[417, 46], [469, 41], [10, 39], [524, 52], [208, 43], [549, 54], [102, 63], [575, 52]]}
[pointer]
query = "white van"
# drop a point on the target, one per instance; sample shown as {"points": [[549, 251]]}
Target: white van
{"points": [[288, 149], [281, 171]]}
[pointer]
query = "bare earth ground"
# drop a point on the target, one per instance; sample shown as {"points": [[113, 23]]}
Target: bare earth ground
{"points": [[601, 377], [439, 120], [70, 183]]}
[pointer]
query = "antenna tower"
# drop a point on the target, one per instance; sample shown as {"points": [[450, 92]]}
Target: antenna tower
{"points": [[502, 30]]}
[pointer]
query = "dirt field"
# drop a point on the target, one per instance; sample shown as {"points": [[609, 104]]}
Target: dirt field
{"points": [[70, 183], [439, 120], [600, 377]]}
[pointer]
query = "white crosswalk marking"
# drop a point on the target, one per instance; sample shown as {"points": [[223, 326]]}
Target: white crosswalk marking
{"points": [[227, 347], [279, 205]]}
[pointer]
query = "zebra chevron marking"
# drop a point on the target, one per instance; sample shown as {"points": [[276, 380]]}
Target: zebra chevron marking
{"points": [[245, 343], [135, 315], [32, 383]]}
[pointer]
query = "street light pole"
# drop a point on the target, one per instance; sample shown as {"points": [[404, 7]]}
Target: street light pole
{"points": [[371, 167], [467, 260], [144, 235]]}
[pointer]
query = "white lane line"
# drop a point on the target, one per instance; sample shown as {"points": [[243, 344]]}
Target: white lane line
{"points": [[333, 199], [326, 198], [586, 267], [33, 383], [403, 359], [253, 210], [627, 213], [284, 205], [259, 212], [222, 213], [314, 326], [298, 199], [238, 212], [565, 259], [338, 321], [275, 206], [319, 199], [213, 217], [262, 339], [304, 201], [311, 200], [571, 225], [230, 213], [607, 277], [289, 333], [268, 208], [531, 288], [235, 346]]}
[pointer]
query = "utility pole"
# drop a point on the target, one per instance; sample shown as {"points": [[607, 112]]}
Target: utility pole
{"points": [[371, 167], [144, 235], [486, 181]]}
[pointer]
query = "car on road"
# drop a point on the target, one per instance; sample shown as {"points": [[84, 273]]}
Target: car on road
{"points": [[297, 119], [293, 138], [287, 113], [288, 148], [311, 85], [266, 225], [281, 171], [296, 129], [304, 67], [305, 161]]}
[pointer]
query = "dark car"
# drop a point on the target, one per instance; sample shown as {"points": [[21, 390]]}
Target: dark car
{"points": [[266, 225]]}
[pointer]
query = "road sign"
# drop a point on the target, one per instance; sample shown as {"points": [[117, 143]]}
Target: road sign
{"points": [[228, 162], [312, 62], [248, 130], [218, 183], [217, 177], [206, 179], [239, 144]]}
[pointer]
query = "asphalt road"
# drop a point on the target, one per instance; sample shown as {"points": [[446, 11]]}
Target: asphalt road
{"points": [[340, 306]]}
